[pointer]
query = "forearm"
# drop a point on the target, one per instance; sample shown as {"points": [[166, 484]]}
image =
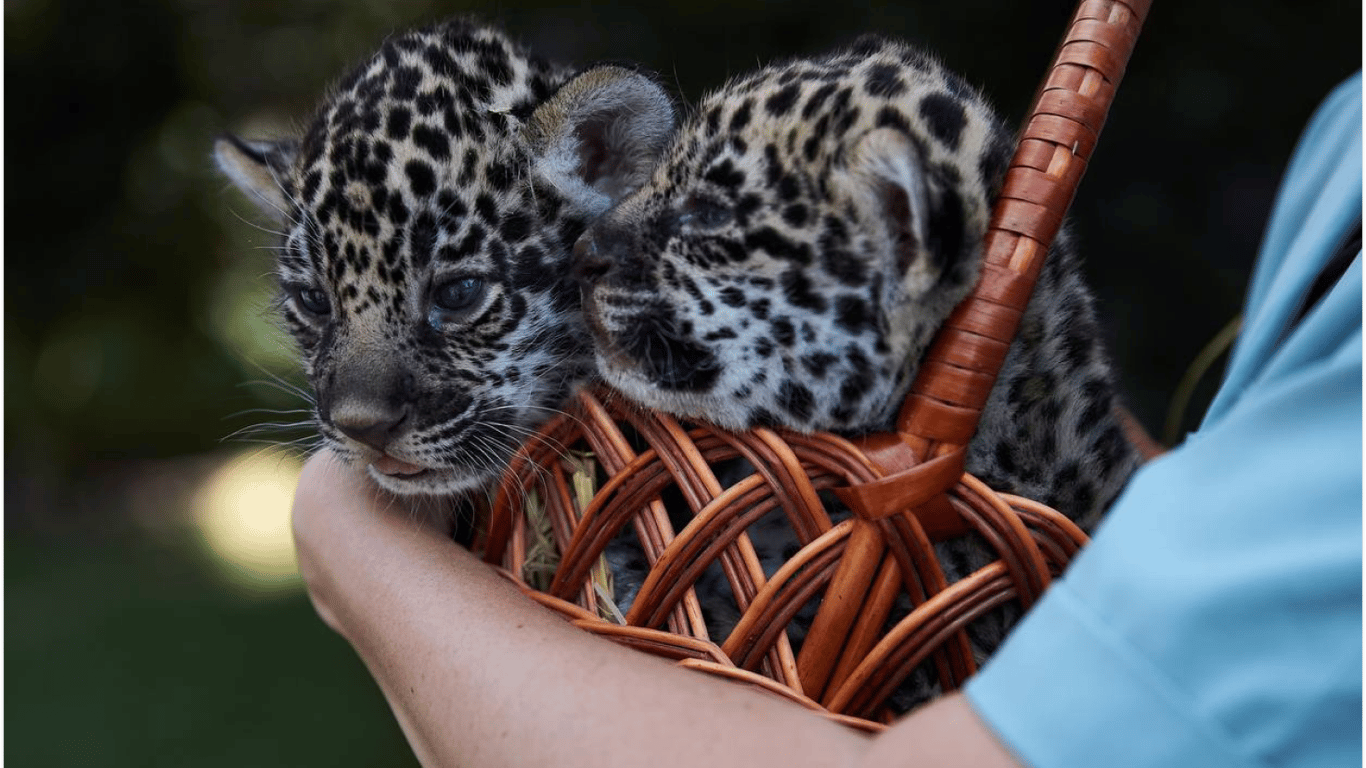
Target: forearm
{"points": [[490, 678], [479, 675]]}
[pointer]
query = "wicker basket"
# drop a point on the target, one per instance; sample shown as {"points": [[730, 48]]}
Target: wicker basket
{"points": [[906, 489]]}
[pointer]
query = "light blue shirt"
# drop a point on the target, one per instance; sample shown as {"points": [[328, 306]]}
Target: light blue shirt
{"points": [[1215, 619]]}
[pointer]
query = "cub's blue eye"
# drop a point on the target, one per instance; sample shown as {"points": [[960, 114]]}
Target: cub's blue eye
{"points": [[459, 295], [313, 300], [705, 213]]}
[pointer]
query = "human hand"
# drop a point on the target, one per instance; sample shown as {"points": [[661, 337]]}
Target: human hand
{"points": [[342, 521]]}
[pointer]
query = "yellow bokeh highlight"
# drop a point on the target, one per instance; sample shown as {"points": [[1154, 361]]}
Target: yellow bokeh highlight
{"points": [[242, 513]]}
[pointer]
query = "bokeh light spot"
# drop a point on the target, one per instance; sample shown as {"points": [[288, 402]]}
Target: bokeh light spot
{"points": [[242, 513]]}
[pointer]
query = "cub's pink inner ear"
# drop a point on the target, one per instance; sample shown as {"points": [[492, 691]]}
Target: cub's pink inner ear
{"points": [[260, 169], [889, 163], [594, 152], [897, 206], [599, 136], [608, 163]]}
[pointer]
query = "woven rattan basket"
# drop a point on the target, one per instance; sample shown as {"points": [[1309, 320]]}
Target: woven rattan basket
{"points": [[906, 489]]}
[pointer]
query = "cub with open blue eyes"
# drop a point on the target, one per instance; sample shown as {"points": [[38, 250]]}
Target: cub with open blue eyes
{"points": [[428, 215]]}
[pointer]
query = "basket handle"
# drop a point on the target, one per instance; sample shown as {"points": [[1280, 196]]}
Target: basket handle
{"points": [[941, 413]]}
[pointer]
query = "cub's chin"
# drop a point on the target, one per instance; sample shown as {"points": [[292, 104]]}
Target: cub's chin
{"points": [[641, 390], [405, 479]]}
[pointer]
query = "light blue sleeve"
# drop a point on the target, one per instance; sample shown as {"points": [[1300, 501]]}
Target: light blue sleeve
{"points": [[1215, 619], [1318, 202]]}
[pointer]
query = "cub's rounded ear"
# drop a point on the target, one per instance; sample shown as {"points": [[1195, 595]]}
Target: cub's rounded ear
{"points": [[259, 168], [600, 135], [887, 176]]}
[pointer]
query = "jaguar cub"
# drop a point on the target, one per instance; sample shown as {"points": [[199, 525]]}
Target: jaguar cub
{"points": [[805, 233], [429, 211]]}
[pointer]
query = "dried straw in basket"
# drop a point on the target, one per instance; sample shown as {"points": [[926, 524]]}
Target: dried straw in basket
{"points": [[906, 488]]}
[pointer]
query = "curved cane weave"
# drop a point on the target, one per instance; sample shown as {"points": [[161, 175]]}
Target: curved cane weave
{"points": [[907, 489]]}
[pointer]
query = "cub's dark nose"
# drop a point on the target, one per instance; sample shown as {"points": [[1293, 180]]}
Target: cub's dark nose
{"points": [[373, 424], [368, 397], [591, 262], [609, 253]]}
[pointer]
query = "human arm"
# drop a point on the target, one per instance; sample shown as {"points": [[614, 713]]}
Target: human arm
{"points": [[479, 675]]}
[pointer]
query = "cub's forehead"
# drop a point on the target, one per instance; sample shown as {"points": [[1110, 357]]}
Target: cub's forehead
{"points": [[807, 113], [433, 110]]}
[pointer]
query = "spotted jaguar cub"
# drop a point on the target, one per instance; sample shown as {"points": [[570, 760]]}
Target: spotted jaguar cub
{"points": [[806, 232], [429, 212]]}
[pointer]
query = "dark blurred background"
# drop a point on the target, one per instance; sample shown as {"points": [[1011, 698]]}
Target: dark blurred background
{"points": [[152, 614]]}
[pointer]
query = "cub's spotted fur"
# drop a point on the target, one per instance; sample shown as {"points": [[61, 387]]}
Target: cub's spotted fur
{"points": [[803, 237], [806, 232], [429, 212]]}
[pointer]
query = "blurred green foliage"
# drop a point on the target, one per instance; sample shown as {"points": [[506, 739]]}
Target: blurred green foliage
{"points": [[137, 296], [131, 655]]}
